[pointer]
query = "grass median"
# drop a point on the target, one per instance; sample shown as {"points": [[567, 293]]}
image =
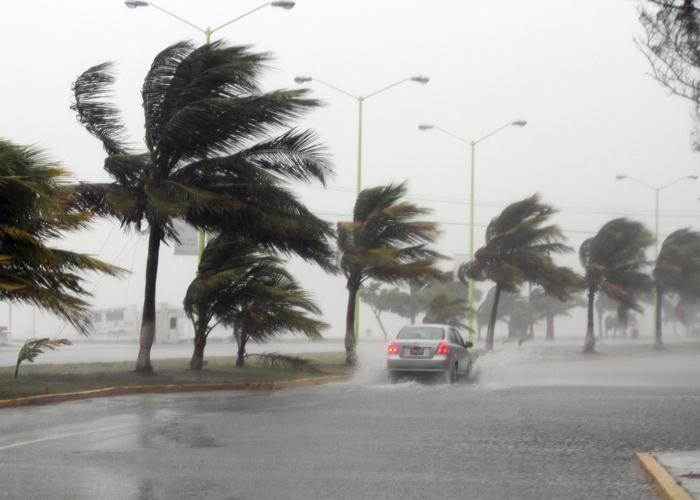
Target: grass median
{"points": [[37, 380]]}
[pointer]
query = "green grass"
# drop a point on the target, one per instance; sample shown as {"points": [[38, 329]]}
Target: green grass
{"points": [[35, 380]]}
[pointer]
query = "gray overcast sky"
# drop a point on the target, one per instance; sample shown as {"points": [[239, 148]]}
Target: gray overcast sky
{"points": [[570, 68]]}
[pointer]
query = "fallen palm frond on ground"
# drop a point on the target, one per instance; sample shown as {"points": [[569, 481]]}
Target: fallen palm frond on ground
{"points": [[283, 362]]}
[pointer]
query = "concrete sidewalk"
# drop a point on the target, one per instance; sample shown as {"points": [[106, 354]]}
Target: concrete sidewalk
{"points": [[675, 475]]}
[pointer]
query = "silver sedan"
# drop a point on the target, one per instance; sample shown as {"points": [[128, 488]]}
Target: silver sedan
{"points": [[429, 349]]}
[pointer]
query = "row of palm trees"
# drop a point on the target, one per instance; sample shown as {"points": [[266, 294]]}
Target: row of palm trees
{"points": [[519, 249], [218, 153]]}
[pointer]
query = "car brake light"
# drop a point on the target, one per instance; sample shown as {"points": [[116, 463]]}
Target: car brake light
{"points": [[393, 348], [442, 348]]}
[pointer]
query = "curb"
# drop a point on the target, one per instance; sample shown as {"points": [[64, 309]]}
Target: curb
{"points": [[140, 389], [667, 487]]}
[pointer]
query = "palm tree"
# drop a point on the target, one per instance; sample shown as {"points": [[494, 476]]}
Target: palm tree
{"points": [[518, 250], [210, 158], [37, 205], [550, 308], [448, 310], [240, 284], [508, 303], [677, 271], [384, 243], [613, 261]]}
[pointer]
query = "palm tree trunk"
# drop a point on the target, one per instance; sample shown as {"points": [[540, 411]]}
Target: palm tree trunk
{"points": [[148, 321], [589, 343], [658, 343], [350, 353], [550, 328], [492, 319], [200, 341], [240, 360]]}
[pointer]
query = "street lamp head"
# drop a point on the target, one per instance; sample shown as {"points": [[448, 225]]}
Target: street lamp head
{"points": [[302, 79], [620, 177], [420, 79], [519, 123], [282, 3], [424, 126], [693, 177], [132, 4]]}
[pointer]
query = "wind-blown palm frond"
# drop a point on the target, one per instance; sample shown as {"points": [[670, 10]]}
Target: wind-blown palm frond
{"points": [[242, 285], [385, 243], [677, 271], [219, 151], [519, 249], [36, 205], [614, 261]]}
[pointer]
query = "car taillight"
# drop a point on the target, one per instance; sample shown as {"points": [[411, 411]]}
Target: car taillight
{"points": [[393, 348], [442, 348]]}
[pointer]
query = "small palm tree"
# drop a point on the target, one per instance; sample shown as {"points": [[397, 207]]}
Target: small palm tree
{"points": [[550, 308], [613, 261], [240, 284], [508, 303], [518, 250], [385, 243], [677, 271], [211, 158], [449, 310], [37, 205]]}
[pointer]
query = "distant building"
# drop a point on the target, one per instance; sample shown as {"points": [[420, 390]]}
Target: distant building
{"points": [[116, 322], [172, 324]]}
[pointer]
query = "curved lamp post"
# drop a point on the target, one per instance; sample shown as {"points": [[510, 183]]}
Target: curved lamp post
{"points": [[132, 4], [656, 231], [360, 99], [425, 126]]}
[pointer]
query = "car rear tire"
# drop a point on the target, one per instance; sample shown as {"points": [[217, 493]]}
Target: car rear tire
{"points": [[393, 377], [469, 370], [451, 375]]}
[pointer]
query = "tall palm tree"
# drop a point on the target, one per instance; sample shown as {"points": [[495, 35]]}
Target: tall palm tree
{"points": [[508, 303], [385, 243], [210, 161], [613, 261], [36, 205], [677, 271], [518, 250]]}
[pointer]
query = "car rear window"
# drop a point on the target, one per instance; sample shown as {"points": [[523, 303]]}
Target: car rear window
{"points": [[421, 332]]}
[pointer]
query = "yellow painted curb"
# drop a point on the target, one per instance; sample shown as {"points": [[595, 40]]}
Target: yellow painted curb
{"points": [[667, 487], [139, 389]]}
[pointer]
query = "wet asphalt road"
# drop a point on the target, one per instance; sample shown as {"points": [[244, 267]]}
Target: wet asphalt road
{"points": [[542, 437]]}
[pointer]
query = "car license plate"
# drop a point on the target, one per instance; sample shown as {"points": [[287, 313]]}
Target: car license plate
{"points": [[416, 351]]}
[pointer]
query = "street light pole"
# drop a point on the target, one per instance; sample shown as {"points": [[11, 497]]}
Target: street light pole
{"points": [[303, 79], [132, 4], [472, 144], [361, 100], [657, 313]]}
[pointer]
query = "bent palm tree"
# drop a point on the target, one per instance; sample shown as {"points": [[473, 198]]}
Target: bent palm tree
{"points": [[613, 261], [239, 284], [210, 160], [36, 205], [677, 271], [384, 243], [518, 250]]}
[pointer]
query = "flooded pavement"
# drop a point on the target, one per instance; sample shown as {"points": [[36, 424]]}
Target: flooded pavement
{"points": [[525, 427]]}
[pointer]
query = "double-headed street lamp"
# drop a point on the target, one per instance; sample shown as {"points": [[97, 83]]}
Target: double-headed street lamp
{"points": [[656, 233], [360, 100], [132, 4], [517, 123]]}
